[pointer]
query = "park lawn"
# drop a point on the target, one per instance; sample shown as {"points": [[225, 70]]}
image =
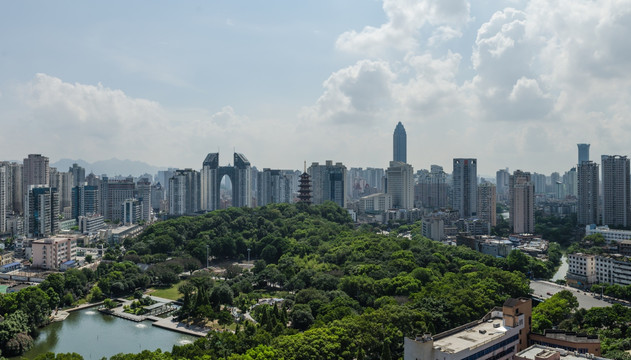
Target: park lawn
{"points": [[167, 293]]}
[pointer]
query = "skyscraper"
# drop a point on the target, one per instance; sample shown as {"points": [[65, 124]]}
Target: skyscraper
{"points": [[431, 190], [616, 190], [587, 193], [522, 202], [583, 153], [113, 193], [501, 179], [35, 171], [41, 211], [143, 192], [328, 182], [400, 185], [184, 192], [78, 175], [465, 187], [487, 203], [399, 142], [3, 199]]}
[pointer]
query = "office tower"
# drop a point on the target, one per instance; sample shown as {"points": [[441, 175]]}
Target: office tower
{"points": [[552, 181], [157, 196], [41, 212], [92, 180], [328, 182], [587, 193], [400, 185], [616, 209], [465, 187], [143, 193], [539, 181], [132, 210], [3, 199], [272, 187], [184, 192], [35, 171], [487, 204], [85, 200], [583, 153], [501, 181], [399, 142], [522, 202], [113, 193], [570, 179], [78, 175], [431, 190], [62, 181], [239, 175], [163, 178]]}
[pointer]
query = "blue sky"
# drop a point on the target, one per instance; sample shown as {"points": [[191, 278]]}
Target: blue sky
{"points": [[514, 83]]}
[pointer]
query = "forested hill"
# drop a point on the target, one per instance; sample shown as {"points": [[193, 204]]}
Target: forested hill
{"points": [[350, 292]]}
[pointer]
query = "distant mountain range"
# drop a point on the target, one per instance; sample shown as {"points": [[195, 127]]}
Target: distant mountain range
{"points": [[111, 167]]}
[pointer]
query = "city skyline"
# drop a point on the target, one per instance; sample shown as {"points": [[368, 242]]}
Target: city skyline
{"points": [[167, 84]]}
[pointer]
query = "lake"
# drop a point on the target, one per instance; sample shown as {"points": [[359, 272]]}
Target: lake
{"points": [[94, 335]]}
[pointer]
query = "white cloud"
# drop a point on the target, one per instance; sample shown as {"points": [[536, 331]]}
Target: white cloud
{"points": [[405, 19]]}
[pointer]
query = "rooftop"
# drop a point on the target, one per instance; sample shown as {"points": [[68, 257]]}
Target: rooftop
{"points": [[472, 337], [539, 351]]}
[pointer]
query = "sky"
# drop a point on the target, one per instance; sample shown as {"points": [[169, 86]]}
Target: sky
{"points": [[512, 83]]}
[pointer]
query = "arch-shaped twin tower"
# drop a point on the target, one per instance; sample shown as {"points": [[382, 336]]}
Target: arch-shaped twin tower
{"points": [[239, 175]]}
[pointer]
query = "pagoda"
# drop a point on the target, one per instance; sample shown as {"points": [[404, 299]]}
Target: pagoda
{"points": [[304, 188]]}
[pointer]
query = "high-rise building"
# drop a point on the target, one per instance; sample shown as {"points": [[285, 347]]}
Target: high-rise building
{"points": [[487, 203], [132, 210], [539, 181], [3, 199], [570, 179], [78, 175], [399, 142], [157, 196], [465, 187], [143, 193], [35, 171], [431, 190], [400, 185], [273, 187], [522, 203], [41, 212], [184, 192], [113, 193], [588, 185], [328, 182], [501, 180], [240, 178], [85, 200], [583, 153], [616, 209]]}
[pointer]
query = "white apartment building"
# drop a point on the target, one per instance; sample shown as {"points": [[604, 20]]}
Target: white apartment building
{"points": [[585, 270], [610, 235], [374, 203]]}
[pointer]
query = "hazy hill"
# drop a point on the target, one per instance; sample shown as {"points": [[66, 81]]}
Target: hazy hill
{"points": [[111, 167]]}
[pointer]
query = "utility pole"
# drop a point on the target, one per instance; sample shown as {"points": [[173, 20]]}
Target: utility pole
{"points": [[206, 256]]}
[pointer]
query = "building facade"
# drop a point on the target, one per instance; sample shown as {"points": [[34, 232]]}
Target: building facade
{"points": [[184, 192], [583, 153], [328, 182], [399, 144], [616, 178], [400, 185], [465, 187], [588, 184], [522, 202], [41, 213], [487, 203], [52, 252]]}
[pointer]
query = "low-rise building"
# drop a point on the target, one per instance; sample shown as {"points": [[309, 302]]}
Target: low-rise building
{"points": [[610, 235], [375, 203], [567, 340], [91, 224], [499, 335], [50, 253], [540, 352], [581, 271], [585, 270], [117, 235]]}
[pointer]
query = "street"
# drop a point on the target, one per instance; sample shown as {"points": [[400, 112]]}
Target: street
{"points": [[541, 289]]}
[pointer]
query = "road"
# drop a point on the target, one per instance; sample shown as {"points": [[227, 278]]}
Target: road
{"points": [[541, 289]]}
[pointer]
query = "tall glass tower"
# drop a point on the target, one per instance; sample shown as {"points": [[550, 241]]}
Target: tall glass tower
{"points": [[583, 153], [399, 141]]}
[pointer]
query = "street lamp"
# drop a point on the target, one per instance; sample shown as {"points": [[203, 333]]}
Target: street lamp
{"points": [[207, 256]]}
